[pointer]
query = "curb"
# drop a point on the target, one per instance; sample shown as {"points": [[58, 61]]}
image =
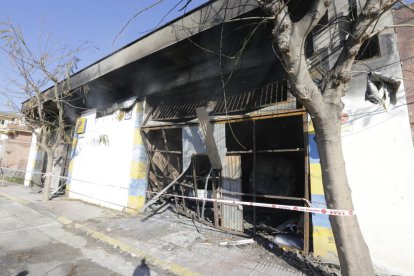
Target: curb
{"points": [[174, 268], [15, 199]]}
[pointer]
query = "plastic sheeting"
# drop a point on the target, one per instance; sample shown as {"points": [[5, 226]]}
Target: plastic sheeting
{"points": [[382, 89]]}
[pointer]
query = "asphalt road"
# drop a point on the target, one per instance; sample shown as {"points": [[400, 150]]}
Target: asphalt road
{"points": [[32, 243]]}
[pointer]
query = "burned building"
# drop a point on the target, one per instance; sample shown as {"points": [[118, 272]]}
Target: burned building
{"points": [[198, 115]]}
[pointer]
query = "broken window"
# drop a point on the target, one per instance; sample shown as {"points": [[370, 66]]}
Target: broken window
{"points": [[382, 89], [323, 22], [297, 8], [369, 49], [309, 43], [309, 50]]}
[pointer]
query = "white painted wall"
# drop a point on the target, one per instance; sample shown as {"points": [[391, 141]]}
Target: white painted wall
{"points": [[379, 159], [379, 155], [30, 161], [107, 165]]}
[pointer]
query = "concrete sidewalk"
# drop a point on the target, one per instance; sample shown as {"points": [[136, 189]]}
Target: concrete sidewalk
{"points": [[166, 240], [35, 244]]}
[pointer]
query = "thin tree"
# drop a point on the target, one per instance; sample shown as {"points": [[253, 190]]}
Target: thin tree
{"points": [[35, 71]]}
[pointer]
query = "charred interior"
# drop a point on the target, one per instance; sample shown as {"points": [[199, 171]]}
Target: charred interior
{"points": [[261, 142], [249, 148]]}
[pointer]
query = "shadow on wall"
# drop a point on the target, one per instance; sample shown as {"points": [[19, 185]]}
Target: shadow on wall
{"points": [[142, 270]]}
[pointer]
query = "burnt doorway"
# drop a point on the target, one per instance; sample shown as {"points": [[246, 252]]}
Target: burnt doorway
{"points": [[273, 169], [265, 162]]}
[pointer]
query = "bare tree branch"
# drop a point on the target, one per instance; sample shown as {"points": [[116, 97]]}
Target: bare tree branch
{"points": [[37, 71], [135, 16]]}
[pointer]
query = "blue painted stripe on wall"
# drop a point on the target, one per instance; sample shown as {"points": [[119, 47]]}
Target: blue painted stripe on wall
{"points": [[321, 220], [69, 178], [318, 201], [313, 150], [139, 153], [72, 154], [138, 120], [137, 187]]}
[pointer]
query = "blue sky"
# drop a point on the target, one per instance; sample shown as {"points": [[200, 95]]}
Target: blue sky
{"points": [[72, 23]]}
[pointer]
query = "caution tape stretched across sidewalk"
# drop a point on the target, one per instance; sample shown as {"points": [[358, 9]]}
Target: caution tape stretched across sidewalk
{"points": [[311, 209], [324, 211]]}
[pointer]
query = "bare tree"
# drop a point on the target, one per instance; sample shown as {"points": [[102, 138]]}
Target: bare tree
{"points": [[36, 71]]}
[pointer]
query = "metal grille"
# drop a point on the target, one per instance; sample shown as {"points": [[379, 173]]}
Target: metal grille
{"points": [[261, 97], [271, 94], [177, 111]]}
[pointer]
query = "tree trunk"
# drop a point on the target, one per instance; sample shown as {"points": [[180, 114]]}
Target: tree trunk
{"points": [[353, 253], [48, 180]]}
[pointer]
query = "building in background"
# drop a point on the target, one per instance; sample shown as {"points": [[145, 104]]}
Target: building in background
{"points": [[15, 141], [405, 35]]}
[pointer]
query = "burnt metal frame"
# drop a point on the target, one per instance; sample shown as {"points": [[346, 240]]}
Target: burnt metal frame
{"points": [[216, 177], [254, 175], [229, 119], [272, 94], [306, 222]]}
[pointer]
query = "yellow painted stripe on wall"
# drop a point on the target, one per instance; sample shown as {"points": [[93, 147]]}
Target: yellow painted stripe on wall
{"points": [[137, 137], [138, 170], [71, 164], [135, 203], [311, 129], [139, 107], [324, 243], [316, 179], [74, 142]]}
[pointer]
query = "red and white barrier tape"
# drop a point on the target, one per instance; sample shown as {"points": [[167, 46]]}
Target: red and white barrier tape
{"points": [[324, 211]]}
